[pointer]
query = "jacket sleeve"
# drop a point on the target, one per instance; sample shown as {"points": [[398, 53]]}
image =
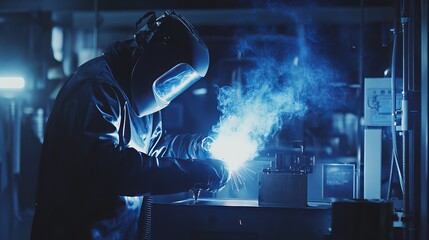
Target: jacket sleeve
{"points": [[127, 170], [185, 146]]}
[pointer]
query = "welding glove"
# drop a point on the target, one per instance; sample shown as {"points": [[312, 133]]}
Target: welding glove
{"points": [[210, 174]]}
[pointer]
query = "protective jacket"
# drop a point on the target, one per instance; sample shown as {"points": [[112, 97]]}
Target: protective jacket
{"points": [[99, 158]]}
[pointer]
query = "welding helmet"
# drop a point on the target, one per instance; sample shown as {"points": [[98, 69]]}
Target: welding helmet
{"points": [[172, 57]]}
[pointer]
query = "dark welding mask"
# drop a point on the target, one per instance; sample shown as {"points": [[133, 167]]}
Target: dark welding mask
{"points": [[172, 57]]}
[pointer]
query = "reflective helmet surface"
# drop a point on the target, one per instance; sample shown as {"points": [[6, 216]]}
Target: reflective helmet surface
{"points": [[172, 58]]}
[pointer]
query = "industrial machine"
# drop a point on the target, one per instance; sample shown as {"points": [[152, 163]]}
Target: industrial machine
{"points": [[377, 115], [285, 182]]}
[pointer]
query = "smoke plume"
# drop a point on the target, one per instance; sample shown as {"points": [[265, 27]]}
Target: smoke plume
{"points": [[287, 80]]}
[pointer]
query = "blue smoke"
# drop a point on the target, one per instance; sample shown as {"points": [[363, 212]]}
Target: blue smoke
{"points": [[288, 80]]}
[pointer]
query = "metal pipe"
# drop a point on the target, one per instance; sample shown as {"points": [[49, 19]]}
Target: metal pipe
{"points": [[424, 167], [16, 136], [97, 16], [405, 67], [360, 78], [15, 110], [405, 165], [405, 19], [390, 177], [393, 88]]}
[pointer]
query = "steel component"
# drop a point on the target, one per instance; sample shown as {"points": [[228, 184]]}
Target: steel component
{"points": [[282, 189], [285, 182]]}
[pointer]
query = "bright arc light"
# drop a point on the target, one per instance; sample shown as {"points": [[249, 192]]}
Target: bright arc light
{"points": [[12, 82], [235, 149]]}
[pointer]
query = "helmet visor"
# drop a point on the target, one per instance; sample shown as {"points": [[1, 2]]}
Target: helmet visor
{"points": [[172, 83]]}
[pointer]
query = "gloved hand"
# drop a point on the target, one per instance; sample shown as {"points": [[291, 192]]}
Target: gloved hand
{"points": [[210, 174]]}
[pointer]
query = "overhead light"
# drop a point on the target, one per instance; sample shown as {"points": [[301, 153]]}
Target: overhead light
{"points": [[12, 82]]}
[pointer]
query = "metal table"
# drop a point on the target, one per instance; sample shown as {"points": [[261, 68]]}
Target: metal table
{"points": [[235, 219]]}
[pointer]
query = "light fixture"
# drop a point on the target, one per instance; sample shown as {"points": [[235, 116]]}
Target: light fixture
{"points": [[12, 83], [200, 91], [57, 42]]}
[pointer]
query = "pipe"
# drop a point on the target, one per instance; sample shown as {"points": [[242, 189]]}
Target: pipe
{"points": [[405, 19], [16, 136], [96, 23], [358, 193], [393, 86], [15, 111], [405, 66], [406, 204], [390, 177]]}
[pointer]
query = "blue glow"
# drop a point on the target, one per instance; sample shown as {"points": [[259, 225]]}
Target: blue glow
{"points": [[174, 82], [288, 81], [133, 202]]}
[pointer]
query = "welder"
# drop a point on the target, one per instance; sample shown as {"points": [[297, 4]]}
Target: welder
{"points": [[104, 148]]}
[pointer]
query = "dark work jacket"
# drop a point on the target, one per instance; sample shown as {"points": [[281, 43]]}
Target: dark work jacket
{"points": [[99, 159]]}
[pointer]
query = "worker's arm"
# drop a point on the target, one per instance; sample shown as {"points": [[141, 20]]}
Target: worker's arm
{"points": [[185, 146], [129, 171]]}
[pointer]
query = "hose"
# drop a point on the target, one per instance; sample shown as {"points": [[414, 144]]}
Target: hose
{"points": [[147, 214]]}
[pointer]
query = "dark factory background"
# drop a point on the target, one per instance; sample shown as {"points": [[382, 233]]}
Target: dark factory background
{"points": [[344, 52]]}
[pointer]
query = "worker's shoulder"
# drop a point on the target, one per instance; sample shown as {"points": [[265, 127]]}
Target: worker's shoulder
{"points": [[91, 76], [92, 73], [94, 69]]}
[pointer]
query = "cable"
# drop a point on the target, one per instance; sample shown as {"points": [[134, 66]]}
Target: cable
{"points": [[390, 177], [401, 181], [393, 109]]}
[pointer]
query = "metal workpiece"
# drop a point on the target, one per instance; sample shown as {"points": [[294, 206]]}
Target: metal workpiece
{"points": [[295, 164], [282, 189], [238, 219], [285, 182]]}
